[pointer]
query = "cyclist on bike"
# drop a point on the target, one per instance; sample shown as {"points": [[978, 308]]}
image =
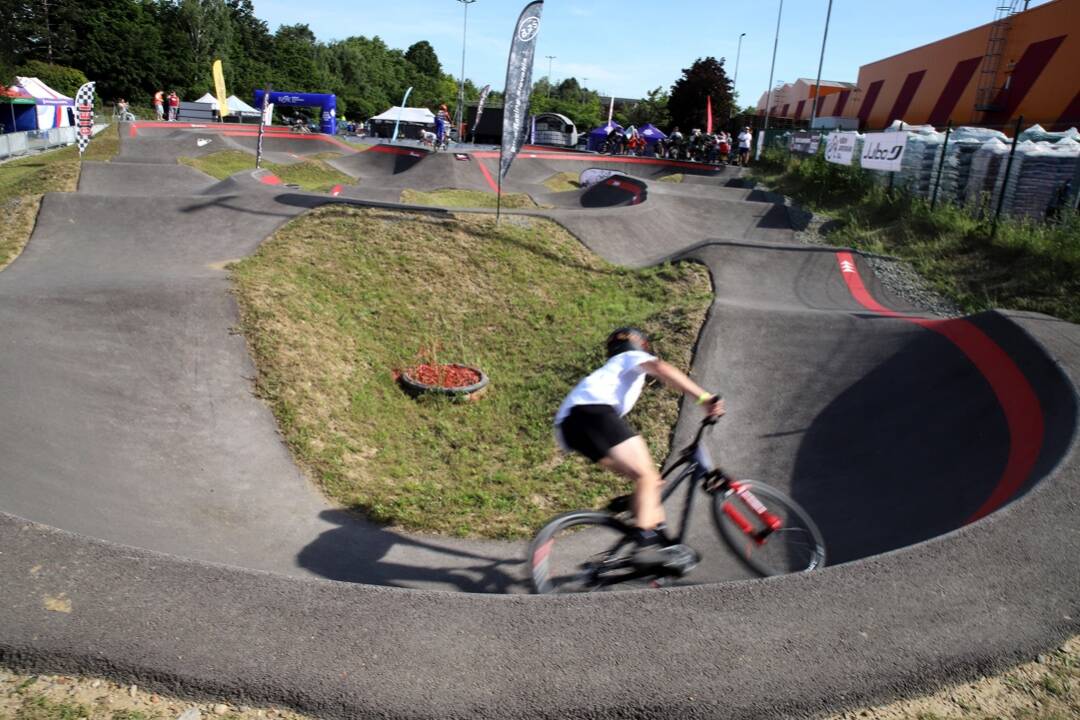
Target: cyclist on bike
{"points": [[590, 422], [442, 126]]}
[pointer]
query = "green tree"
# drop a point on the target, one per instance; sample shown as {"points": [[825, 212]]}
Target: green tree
{"points": [[651, 109], [702, 80], [422, 57]]}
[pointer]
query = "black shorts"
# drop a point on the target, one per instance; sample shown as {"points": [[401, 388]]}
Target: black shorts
{"points": [[593, 430]]}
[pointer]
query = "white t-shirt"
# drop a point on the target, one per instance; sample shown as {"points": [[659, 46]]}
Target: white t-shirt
{"points": [[744, 140], [617, 383]]}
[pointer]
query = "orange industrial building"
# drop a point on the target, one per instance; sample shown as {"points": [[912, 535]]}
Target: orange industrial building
{"points": [[1025, 62]]}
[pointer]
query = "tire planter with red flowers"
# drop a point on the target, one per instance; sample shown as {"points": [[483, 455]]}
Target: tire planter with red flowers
{"points": [[450, 379]]}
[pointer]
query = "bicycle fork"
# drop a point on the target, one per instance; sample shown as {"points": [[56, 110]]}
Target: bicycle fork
{"points": [[769, 521]]}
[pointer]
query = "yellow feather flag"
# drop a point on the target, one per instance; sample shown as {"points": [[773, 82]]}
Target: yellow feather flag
{"points": [[219, 87]]}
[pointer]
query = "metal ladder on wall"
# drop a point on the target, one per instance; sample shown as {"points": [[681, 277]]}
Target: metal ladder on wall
{"points": [[988, 88]]}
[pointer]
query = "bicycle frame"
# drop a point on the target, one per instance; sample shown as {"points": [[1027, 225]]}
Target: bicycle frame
{"points": [[698, 466]]}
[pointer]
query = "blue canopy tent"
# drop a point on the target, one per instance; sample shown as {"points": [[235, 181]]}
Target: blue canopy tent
{"points": [[599, 135], [651, 133], [327, 105]]}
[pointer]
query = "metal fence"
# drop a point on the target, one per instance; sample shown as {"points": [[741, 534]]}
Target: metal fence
{"points": [[33, 141], [1033, 174]]}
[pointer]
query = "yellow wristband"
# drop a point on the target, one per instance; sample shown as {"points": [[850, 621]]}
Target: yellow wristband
{"points": [[704, 398]]}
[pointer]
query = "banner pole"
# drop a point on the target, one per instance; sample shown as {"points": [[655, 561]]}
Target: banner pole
{"points": [[498, 191], [262, 126]]}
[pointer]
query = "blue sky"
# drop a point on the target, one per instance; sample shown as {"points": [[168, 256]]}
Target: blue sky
{"points": [[643, 44]]}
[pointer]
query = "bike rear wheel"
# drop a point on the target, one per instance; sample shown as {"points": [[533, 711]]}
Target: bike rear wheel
{"points": [[585, 551], [768, 530]]}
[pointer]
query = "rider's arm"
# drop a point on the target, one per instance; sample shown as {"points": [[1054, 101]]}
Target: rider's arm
{"points": [[676, 379]]}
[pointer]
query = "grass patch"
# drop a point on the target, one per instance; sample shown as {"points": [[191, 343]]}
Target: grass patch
{"points": [[563, 182], [522, 300], [450, 198], [311, 174], [38, 707], [1025, 266], [676, 178], [23, 182]]}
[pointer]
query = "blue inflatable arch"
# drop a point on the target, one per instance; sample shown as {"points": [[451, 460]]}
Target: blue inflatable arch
{"points": [[327, 105]]}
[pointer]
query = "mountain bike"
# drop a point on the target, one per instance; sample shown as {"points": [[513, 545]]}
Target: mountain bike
{"points": [[593, 550]]}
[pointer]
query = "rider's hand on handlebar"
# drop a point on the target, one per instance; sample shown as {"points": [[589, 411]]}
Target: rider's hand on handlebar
{"points": [[714, 407]]}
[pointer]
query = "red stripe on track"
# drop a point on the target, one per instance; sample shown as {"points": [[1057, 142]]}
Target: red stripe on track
{"points": [[487, 176], [594, 159], [1021, 406], [269, 179], [218, 129]]}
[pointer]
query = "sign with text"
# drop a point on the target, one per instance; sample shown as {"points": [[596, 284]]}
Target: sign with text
{"points": [[84, 115], [804, 142], [883, 151], [840, 147]]}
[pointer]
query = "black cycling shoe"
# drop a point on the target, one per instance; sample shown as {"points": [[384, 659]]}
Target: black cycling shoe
{"points": [[676, 558]]}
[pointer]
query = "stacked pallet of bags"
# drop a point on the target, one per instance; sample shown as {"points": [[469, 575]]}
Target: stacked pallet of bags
{"points": [[919, 164], [1036, 133], [1041, 177], [964, 143], [986, 167]]}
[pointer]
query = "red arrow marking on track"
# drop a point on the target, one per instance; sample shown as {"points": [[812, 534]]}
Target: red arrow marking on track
{"points": [[487, 176], [1023, 411]]}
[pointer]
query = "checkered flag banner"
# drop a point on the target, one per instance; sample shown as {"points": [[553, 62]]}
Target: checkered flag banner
{"points": [[84, 115]]}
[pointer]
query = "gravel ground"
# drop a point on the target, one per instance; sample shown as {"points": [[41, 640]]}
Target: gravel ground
{"points": [[897, 275]]}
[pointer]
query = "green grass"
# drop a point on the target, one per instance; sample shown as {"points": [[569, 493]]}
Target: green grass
{"points": [[1024, 266], [24, 181], [311, 174], [450, 198], [523, 300]]}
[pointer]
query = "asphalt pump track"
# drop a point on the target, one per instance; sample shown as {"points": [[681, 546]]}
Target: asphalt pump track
{"points": [[146, 490]]}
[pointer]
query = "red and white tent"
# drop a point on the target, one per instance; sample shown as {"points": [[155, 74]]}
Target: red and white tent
{"points": [[52, 107]]}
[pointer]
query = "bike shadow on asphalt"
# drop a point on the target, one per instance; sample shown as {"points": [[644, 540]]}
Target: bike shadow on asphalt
{"points": [[358, 551]]}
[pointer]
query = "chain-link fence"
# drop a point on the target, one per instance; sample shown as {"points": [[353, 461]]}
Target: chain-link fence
{"points": [[1032, 172]]}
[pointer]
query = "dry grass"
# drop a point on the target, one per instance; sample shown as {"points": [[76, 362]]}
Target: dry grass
{"points": [[676, 178], [451, 198], [1048, 689], [563, 182], [337, 300]]}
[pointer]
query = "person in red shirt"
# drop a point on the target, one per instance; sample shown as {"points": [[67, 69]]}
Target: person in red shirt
{"points": [[174, 106]]}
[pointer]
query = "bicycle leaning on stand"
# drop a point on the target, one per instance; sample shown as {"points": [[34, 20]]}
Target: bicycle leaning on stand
{"points": [[593, 550]]}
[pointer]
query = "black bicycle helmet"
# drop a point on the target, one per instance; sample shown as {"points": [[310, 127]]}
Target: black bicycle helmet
{"points": [[625, 339]]}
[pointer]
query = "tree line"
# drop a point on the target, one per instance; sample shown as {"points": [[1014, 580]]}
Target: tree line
{"points": [[132, 48]]}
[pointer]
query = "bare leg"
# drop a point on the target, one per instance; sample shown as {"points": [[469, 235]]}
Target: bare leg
{"points": [[631, 459]]}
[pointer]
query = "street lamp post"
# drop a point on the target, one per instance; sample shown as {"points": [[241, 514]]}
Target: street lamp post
{"points": [[735, 82], [549, 59], [460, 114], [817, 86], [768, 99]]}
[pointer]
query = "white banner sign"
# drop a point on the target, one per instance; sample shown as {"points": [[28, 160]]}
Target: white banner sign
{"points": [[805, 143], [883, 151], [840, 147]]}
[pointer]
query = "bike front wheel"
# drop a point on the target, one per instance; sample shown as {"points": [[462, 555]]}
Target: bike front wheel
{"points": [[584, 551], [768, 530]]}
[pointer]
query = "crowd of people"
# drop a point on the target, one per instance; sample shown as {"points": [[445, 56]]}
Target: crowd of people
{"points": [[721, 147]]}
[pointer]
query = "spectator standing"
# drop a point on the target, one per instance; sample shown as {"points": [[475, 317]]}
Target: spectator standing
{"points": [[745, 139], [174, 106], [442, 124], [725, 147], [159, 105]]}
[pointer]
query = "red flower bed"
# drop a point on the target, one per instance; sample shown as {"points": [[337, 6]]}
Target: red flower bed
{"points": [[446, 376]]}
